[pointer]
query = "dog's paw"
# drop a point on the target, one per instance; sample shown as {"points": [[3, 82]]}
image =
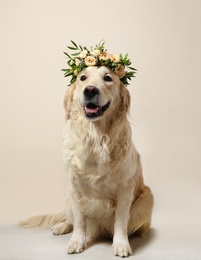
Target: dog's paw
{"points": [[75, 247], [122, 250], [61, 228]]}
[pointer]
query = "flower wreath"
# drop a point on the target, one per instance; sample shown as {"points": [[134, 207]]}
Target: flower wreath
{"points": [[98, 56]]}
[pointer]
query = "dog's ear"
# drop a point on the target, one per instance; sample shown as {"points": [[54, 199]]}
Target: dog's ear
{"points": [[68, 100], [125, 98]]}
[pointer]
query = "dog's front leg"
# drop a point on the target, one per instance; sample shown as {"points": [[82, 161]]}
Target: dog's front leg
{"points": [[121, 244], [77, 243]]}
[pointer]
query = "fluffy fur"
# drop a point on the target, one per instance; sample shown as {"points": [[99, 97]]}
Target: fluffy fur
{"points": [[106, 193]]}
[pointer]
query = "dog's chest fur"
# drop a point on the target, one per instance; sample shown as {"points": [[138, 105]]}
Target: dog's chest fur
{"points": [[94, 160]]}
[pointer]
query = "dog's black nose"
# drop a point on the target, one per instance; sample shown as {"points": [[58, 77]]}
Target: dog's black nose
{"points": [[91, 92]]}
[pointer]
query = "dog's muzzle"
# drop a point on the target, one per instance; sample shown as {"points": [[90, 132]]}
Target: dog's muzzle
{"points": [[91, 103]]}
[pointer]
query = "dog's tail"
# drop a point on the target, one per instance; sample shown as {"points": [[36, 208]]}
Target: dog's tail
{"points": [[44, 221]]}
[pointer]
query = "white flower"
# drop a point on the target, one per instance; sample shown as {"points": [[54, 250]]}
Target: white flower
{"points": [[83, 54], [90, 61], [114, 58], [104, 56], [77, 62], [120, 71], [95, 52]]}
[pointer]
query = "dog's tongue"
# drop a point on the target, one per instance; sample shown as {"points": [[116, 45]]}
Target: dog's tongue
{"points": [[91, 110]]}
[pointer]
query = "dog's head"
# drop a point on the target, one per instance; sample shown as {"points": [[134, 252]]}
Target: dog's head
{"points": [[96, 93]]}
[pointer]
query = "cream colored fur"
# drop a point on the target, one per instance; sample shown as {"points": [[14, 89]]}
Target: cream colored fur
{"points": [[106, 192]]}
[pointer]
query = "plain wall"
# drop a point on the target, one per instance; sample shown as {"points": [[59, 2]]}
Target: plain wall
{"points": [[163, 41]]}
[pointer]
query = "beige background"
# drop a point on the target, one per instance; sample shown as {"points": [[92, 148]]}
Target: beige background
{"points": [[163, 40]]}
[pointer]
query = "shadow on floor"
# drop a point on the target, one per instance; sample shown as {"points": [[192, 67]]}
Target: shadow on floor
{"points": [[138, 243]]}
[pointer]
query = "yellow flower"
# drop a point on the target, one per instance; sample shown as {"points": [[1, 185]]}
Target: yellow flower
{"points": [[75, 72], [114, 58], [95, 52], [90, 61], [104, 56], [83, 54], [119, 70]]}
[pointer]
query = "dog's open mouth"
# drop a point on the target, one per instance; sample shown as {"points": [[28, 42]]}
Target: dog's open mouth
{"points": [[92, 110]]}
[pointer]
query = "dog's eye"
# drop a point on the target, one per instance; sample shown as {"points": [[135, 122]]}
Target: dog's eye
{"points": [[107, 78], [82, 78]]}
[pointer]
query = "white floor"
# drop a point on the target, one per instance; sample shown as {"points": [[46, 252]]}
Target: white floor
{"points": [[160, 244]]}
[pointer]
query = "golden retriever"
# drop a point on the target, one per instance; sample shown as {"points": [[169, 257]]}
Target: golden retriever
{"points": [[106, 194]]}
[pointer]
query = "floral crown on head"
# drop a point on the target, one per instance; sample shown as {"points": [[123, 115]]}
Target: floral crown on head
{"points": [[98, 56]]}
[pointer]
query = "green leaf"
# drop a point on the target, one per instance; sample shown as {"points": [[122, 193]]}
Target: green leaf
{"points": [[129, 74], [74, 44], [85, 48], [71, 48], [132, 68], [76, 54], [73, 80], [68, 74], [126, 56], [64, 69], [69, 62], [67, 55]]}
